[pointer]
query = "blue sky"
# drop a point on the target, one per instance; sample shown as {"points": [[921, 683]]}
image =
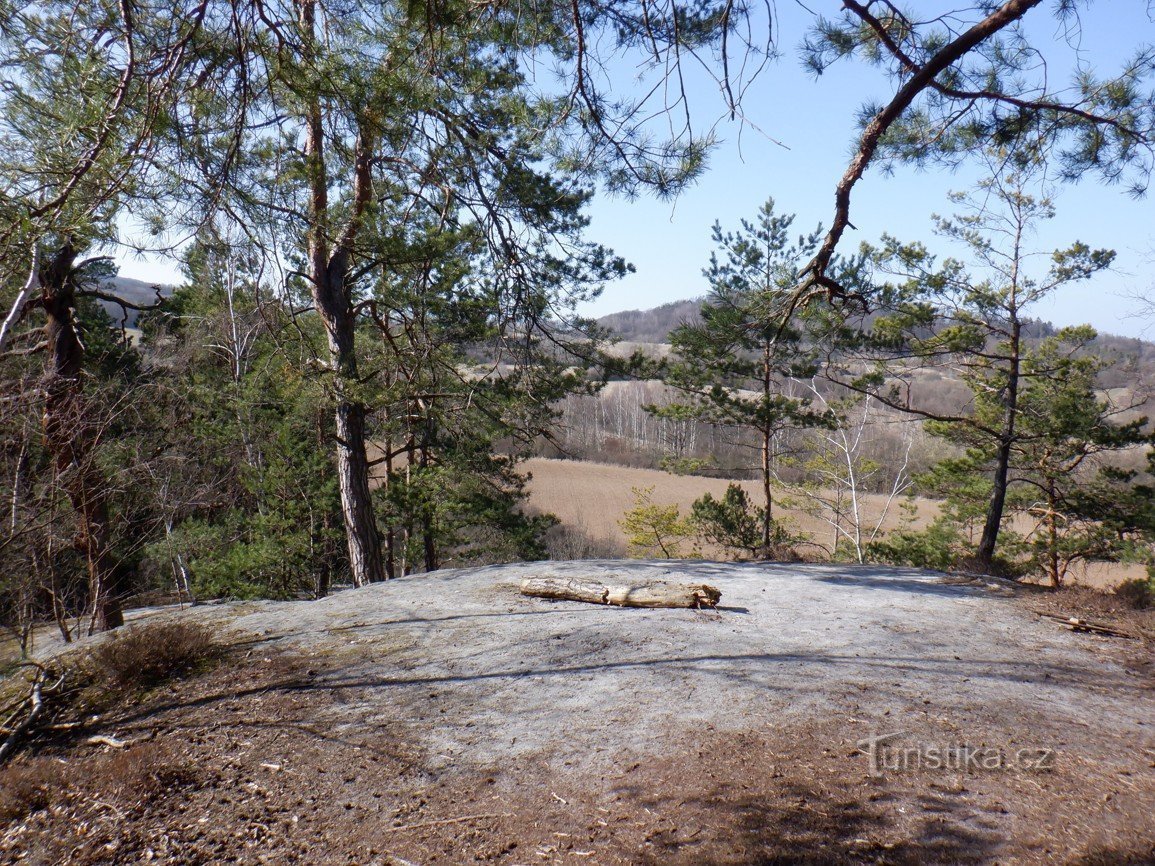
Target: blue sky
{"points": [[669, 242]]}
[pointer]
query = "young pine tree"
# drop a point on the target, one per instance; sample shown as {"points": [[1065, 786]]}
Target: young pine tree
{"points": [[735, 364]]}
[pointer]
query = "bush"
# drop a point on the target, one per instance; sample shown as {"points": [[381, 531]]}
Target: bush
{"points": [[140, 657], [937, 547], [29, 787], [654, 530], [565, 542], [943, 546], [1138, 593], [731, 522]]}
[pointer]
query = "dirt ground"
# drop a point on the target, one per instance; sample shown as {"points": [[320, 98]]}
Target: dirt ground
{"points": [[447, 719], [593, 497]]}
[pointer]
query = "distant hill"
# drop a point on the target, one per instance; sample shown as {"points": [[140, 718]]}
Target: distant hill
{"points": [[1132, 358], [133, 291], [652, 326]]}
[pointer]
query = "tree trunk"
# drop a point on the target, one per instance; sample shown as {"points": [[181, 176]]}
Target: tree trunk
{"points": [[328, 272], [71, 439], [1053, 536], [994, 518], [356, 500], [390, 533], [364, 541], [427, 523], [333, 304], [767, 439]]}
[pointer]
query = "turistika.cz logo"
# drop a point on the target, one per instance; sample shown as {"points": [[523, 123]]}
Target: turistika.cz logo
{"points": [[886, 756]]}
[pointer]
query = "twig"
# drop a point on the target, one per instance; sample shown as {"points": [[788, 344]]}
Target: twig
{"points": [[9, 745], [460, 820]]}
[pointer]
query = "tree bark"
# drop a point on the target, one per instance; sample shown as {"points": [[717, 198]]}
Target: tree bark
{"points": [[71, 440], [767, 440], [364, 540], [994, 518], [390, 533], [427, 522]]}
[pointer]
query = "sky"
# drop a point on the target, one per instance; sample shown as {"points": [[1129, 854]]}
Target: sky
{"points": [[813, 123], [669, 242]]}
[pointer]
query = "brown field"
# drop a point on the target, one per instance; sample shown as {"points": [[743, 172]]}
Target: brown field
{"points": [[593, 497]]}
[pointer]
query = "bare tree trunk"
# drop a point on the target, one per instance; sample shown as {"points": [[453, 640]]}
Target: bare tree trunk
{"points": [[71, 441], [329, 269], [767, 519], [181, 577], [767, 440], [994, 518], [390, 533], [427, 527], [1053, 536], [356, 499], [364, 541]]}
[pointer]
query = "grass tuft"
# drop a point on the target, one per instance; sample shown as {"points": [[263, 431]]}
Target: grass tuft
{"points": [[142, 657], [29, 787]]}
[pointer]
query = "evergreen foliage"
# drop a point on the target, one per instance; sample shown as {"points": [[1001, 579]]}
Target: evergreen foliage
{"points": [[655, 530], [1037, 420], [731, 522], [736, 363]]}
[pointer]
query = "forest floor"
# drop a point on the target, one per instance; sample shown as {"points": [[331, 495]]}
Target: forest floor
{"points": [[448, 719]]}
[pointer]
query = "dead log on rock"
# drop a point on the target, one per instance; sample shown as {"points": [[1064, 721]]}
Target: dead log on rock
{"points": [[657, 593]]}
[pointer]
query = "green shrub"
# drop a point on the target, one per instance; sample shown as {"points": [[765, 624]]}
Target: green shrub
{"points": [[939, 546], [654, 530], [731, 522]]}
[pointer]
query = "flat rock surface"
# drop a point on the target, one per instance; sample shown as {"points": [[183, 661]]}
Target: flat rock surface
{"points": [[787, 643]]}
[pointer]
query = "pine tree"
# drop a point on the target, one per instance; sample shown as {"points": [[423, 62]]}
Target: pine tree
{"points": [[974, 319], [735, 364]]}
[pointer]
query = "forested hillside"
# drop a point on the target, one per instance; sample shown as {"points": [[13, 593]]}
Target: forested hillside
{"points": [[1131, 359]]}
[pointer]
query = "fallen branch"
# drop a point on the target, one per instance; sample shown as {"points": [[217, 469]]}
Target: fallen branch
{"points": [[36, 702], [658, 593], [102, 740], [1081, 625]]}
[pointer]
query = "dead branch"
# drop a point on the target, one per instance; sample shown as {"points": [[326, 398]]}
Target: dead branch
{"points": [[35, 704], [815, 277], [1081, 625], [656, 593], [464, 818], [17, 311]]}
